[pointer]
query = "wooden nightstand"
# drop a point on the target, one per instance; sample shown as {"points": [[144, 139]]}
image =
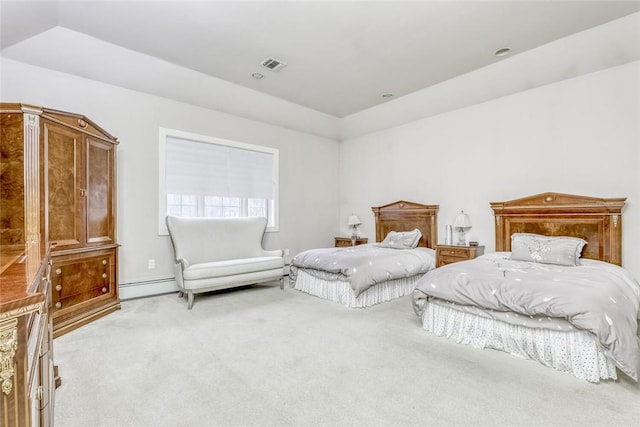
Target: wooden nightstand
{"points": [[348, 241], [448, 254]]}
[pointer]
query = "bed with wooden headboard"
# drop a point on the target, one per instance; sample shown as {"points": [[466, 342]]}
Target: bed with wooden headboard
{"points": [[565, 305], [406, 216], [364, 275]]}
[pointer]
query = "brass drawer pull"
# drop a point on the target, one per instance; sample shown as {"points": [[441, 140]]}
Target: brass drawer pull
{"points": [[104, 275], [59, 288], [58, 304], [58, 271], [104, 290], [104, 262]]}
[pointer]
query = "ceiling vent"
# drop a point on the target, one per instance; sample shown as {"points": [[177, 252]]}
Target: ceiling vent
{"points": [[273, 64]]}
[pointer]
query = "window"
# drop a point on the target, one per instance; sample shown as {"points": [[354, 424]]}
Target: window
{"points": [[212, 177]]}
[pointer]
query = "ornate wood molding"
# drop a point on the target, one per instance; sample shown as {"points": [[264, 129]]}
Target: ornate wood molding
{"points": [[21, 311], [8, 347]]}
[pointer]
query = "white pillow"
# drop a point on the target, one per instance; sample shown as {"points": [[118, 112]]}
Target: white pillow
{"points": [[401, 239], [546, 249]]}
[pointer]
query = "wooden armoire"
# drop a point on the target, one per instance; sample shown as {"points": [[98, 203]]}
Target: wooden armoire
{"points": [[80, 166], [78, 197], [58, 249]]}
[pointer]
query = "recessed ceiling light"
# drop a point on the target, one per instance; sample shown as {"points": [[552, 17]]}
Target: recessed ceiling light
{"points": [[257, 76], [387, 95], [504, 51]]}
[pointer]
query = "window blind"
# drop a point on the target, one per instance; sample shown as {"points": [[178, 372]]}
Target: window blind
{"points": [[204, 168]]}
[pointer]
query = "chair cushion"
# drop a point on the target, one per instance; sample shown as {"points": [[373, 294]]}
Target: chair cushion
{"points": [[232, 267]]}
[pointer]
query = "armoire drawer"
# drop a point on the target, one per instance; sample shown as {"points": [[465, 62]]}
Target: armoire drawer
{"points": [[82, 278]]}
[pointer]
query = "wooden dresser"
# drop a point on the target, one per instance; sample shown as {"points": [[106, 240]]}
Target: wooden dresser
{"points": [[78, 197], [27, 381]]}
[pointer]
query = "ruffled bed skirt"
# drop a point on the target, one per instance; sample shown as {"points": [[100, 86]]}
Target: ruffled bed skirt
{"points": [[341, 292], [577, 352]]}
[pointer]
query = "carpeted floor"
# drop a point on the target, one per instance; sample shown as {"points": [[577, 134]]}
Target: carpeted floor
{"points": [[261, 356]]}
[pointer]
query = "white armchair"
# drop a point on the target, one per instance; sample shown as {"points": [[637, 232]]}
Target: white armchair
{"points": [[221, 253]]}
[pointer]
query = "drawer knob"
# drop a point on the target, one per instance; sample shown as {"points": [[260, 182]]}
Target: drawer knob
{"points": [[59, 288], [104, 275], [58, 271], [104, 290], [453, 252], [58, 304], [104, 262]]}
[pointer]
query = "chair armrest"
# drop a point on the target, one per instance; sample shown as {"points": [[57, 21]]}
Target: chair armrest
{"points": [[183, 262]]}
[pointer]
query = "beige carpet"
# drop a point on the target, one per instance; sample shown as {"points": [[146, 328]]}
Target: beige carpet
{"points": [[261, 356]]}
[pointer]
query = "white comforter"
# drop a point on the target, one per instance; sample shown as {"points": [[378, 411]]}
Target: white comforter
{"points": [[364, 265], [598, 297]]}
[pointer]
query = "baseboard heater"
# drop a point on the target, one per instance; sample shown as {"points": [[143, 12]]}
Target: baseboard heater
{"points": [[147, 288]]}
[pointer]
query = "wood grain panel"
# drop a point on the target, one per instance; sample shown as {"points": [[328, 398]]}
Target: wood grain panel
{"points": [[596, 220], [65, 156], [12, 180], [100, 192]]}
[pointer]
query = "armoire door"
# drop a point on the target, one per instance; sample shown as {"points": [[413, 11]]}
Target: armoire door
{"points": [[65, 156], [100, 191]]}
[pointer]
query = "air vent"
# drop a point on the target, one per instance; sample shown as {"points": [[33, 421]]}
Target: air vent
{"points": [[273, 64]]}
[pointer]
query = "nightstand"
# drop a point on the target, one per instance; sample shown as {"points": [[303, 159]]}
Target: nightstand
{"points": [[448, 254], [348, 241]]}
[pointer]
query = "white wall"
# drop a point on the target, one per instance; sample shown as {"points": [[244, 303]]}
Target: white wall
{"points": [[578, 136], [308, 188], [605, 46]]}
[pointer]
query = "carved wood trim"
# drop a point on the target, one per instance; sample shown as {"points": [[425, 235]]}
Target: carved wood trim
{"points": [[8, 348], [79, 123], [21, 311]]}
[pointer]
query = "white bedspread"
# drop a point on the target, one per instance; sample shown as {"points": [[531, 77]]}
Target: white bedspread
{"points": [[364, 265], [598, 297]]}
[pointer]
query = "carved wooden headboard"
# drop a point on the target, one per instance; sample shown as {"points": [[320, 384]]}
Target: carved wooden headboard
{"points": [[406, 216], [598, 221]]}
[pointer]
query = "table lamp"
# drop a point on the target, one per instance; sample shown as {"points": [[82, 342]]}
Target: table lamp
{"points": [[354, 222], [462, 222]]}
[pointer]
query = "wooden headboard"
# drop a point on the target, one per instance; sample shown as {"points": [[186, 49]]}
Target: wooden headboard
{"points": [[598, 221], [406, 216]]}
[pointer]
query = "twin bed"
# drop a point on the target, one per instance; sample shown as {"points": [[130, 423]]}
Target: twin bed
{"points": [[364, 275], [553, 291]]}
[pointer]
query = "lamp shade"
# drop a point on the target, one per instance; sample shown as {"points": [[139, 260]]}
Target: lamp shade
{"points": [[354, 220], [462, 220]]}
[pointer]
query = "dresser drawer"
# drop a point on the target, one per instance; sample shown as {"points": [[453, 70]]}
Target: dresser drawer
{"points": [[445, 259], [81, 279], [341, 242], [454, 253]]}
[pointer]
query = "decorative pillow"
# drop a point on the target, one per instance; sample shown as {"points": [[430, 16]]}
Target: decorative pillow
{"points": [[546, 249], [401, 240]]}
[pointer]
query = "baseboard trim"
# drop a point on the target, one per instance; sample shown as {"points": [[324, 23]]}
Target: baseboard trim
{"points": [[146, 289]]}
